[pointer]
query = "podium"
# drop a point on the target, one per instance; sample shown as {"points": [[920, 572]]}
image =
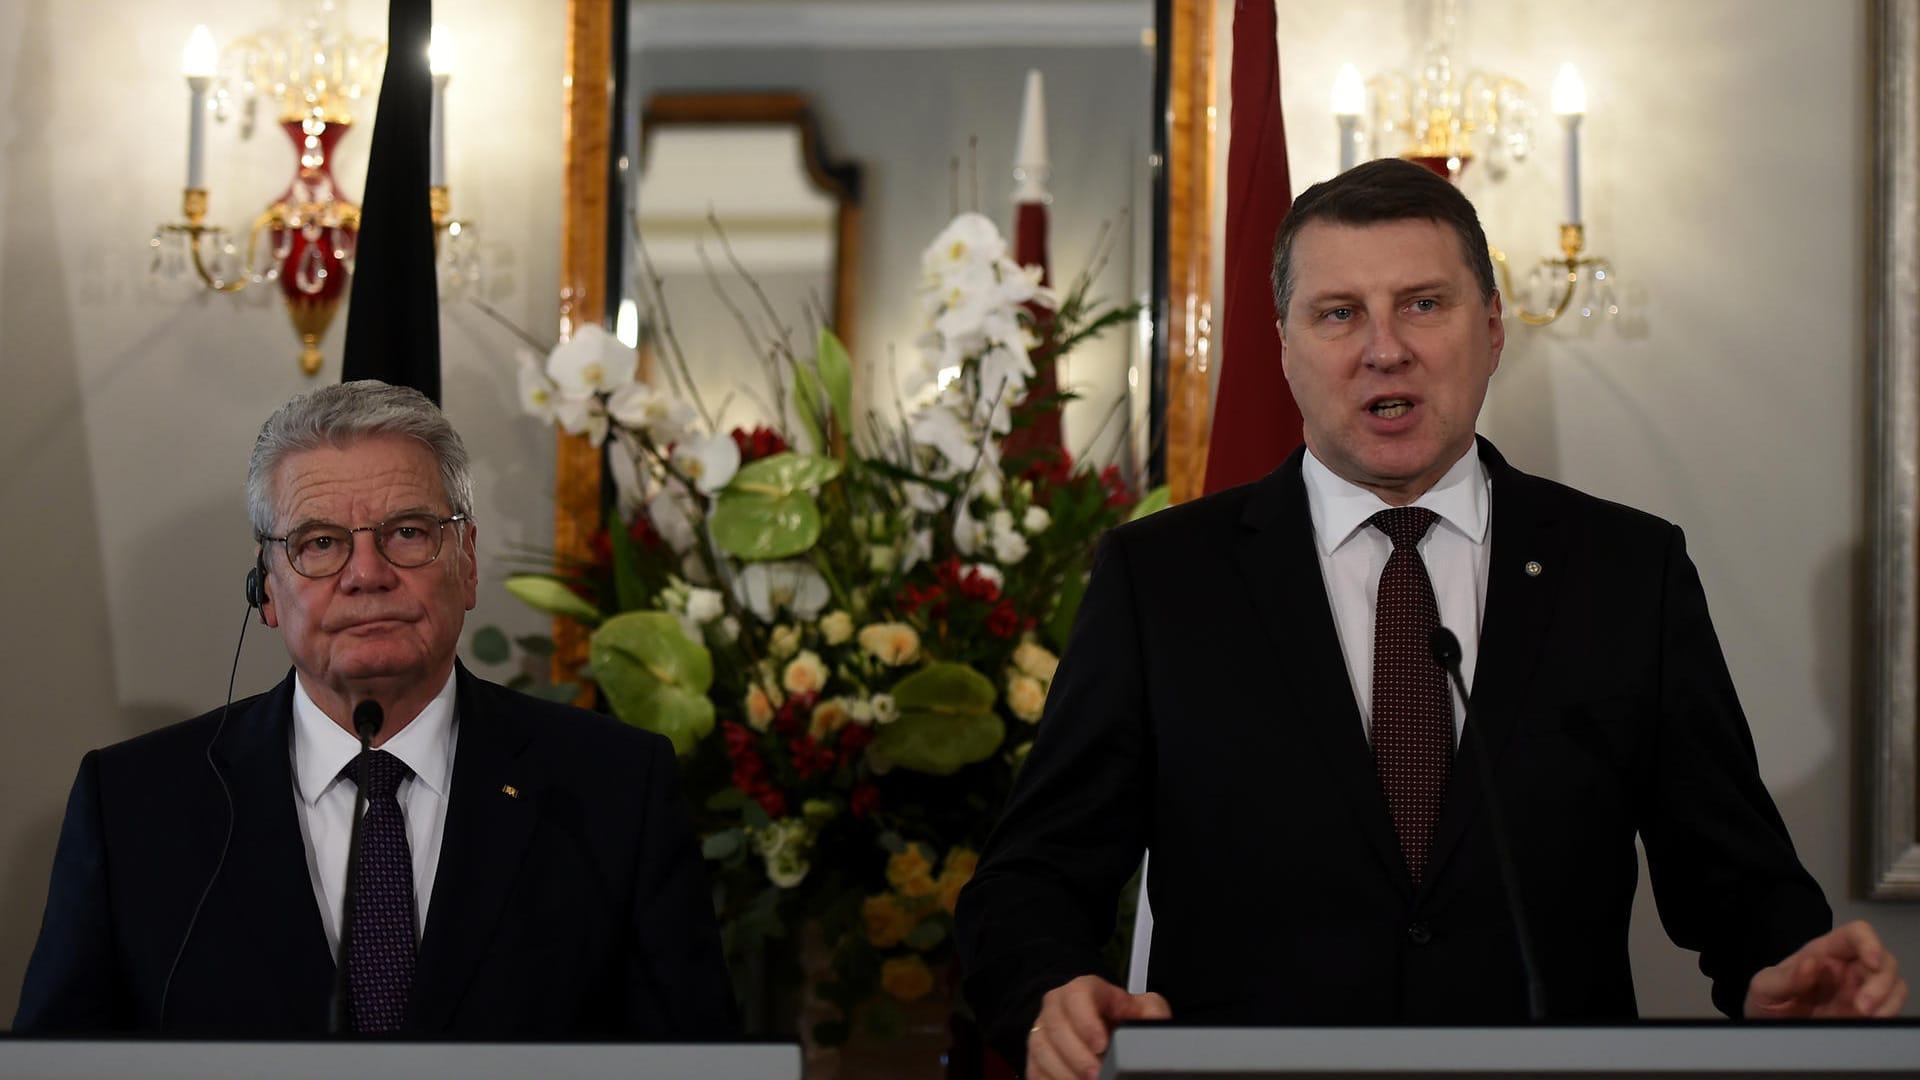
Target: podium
{"points": [[1772, 1050], [155, 1059]]}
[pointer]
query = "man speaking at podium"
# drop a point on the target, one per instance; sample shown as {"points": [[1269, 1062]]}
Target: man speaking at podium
{"points": [[1252, 692], [526, 870]]}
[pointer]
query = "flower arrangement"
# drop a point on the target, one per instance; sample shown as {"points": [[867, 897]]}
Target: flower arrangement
{"points": [[849, 637]]}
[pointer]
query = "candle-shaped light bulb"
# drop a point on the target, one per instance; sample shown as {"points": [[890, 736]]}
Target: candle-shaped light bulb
{"points": [[440, 51], [1349, 93], [1570, 102], [440, 57], [1349, 100], [201, 55], [1569, 92], [197, 63]]}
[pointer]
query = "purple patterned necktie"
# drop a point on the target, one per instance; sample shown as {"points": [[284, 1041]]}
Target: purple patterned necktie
{"points": [[1412, 713], [381, 954]]}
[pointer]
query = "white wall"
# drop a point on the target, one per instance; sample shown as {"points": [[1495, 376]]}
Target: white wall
{"points": [[1727, 168], [126, 417]]}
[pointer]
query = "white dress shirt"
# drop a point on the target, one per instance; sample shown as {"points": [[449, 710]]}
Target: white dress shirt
{"points": [[324, 799], [1353, 554]]}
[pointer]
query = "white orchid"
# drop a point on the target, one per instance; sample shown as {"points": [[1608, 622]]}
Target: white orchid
{"points": [[640, 407], [766, 588], [709, 461], [537, 392], [582, 416], [591, 362], [968, 240], [947, 433], [672, 520]]}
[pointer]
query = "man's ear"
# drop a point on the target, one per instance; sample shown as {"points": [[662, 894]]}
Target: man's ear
{"points": [[470, 572]]}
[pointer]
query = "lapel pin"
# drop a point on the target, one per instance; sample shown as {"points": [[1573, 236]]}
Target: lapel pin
{"points": [[1532, 568], [510, 791]]}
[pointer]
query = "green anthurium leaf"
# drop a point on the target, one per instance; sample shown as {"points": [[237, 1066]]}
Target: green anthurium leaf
{"points": [[809, 404], [655, 641], [545, 594], [944, 688], [490, 645], [640, 697], [836, 374], [946, 721], [1152, 503], [760, 527], [783, 474]]}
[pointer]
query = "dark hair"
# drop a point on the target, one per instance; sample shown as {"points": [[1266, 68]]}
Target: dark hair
{"points": [[1385, 189], [342, 414]]}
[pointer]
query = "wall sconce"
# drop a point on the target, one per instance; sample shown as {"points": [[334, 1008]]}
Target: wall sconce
{"points": [[313, 73], [1446, 121]]}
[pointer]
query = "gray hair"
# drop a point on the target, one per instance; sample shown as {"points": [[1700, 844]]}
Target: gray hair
{"points": [[337, 416]]}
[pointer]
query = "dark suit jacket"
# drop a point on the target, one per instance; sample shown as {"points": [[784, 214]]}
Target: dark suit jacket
{"points": [[1203, 708], [578, 907]]}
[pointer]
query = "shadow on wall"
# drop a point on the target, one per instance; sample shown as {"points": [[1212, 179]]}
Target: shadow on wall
{"points": [[56, 679]]}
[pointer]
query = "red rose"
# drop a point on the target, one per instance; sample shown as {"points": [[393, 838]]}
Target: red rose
{"points": [[1003, 621]]}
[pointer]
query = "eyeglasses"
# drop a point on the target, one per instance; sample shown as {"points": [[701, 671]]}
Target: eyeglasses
{"points": [[323, 549]]}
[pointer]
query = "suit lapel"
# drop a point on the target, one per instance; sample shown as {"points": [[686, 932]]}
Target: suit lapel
{"points": [[1519, 608], [1276, 554], [487, 831], [266, 871]]}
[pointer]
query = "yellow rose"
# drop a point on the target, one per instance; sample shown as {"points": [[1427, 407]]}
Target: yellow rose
{"points": [[805, 674], [836, 628], [910, 872], [1027, 697], [906, 978], [892, 643], [828, 717], [783, 642], [954, 877], [1036, 661], [887, 922], [761, 705]]}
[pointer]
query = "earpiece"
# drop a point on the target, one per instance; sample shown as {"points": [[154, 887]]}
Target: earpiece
{"points": [[257, 587]]}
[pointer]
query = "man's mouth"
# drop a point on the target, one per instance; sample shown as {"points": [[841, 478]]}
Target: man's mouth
{"points": [[1390, 408]]}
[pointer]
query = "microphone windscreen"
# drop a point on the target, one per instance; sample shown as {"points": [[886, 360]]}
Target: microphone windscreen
{"points": [[367, 717], [1446, 647]]}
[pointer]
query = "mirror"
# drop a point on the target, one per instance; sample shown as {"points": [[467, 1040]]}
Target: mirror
{"points": [[924, 99], [745, 234]]}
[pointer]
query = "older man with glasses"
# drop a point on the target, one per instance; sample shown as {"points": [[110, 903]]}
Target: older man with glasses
{"points": [[524, 869]]}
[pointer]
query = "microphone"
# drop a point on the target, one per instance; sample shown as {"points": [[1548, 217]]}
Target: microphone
{"points": [[1446, 653], [367, 718]]}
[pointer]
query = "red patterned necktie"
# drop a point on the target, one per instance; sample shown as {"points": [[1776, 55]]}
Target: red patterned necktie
{"points": [[381, 955], [1412, 714]]}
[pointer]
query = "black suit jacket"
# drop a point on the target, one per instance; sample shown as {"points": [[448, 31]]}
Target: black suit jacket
{"points": [[576, 906], [1203, 709]]}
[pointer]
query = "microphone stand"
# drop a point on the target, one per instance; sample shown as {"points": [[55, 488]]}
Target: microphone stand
{"points": [[367, 718], [1446, 653]]}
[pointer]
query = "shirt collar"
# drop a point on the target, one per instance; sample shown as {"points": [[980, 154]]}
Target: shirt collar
{"points": [[1341, 508], [321, 748]]}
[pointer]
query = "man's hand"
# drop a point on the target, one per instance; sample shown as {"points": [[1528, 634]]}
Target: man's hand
{"points": [[1075, 1019], [1845, 973]]}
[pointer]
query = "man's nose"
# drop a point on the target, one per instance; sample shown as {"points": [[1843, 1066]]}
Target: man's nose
{"points": [[366, 567], [1385, 349]]}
